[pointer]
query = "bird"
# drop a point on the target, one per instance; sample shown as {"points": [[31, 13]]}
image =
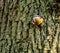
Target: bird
{"points": [[37, 20]]}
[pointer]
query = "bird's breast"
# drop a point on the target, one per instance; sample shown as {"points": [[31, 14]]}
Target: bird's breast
{"points": [[38, 21]]}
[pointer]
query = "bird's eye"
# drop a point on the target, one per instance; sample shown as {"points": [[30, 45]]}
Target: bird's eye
{"points": [[32, 20]]}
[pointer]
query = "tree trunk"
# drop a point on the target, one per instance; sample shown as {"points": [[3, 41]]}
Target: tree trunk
{"points": [[19, 35]]}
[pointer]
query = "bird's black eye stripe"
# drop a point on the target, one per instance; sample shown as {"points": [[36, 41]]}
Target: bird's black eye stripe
{"points": [[32, 20]]}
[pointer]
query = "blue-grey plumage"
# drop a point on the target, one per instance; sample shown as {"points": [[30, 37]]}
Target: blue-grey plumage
{"points": [[36, 15]]}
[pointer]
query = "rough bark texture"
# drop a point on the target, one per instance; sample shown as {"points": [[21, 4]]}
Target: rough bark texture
{"points": [[19, 35]]}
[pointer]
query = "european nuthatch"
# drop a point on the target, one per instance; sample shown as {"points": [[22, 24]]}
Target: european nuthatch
{"points": [[37, 20]]}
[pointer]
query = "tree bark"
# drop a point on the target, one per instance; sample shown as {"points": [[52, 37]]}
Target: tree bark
{"points": [[19, 35]]}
